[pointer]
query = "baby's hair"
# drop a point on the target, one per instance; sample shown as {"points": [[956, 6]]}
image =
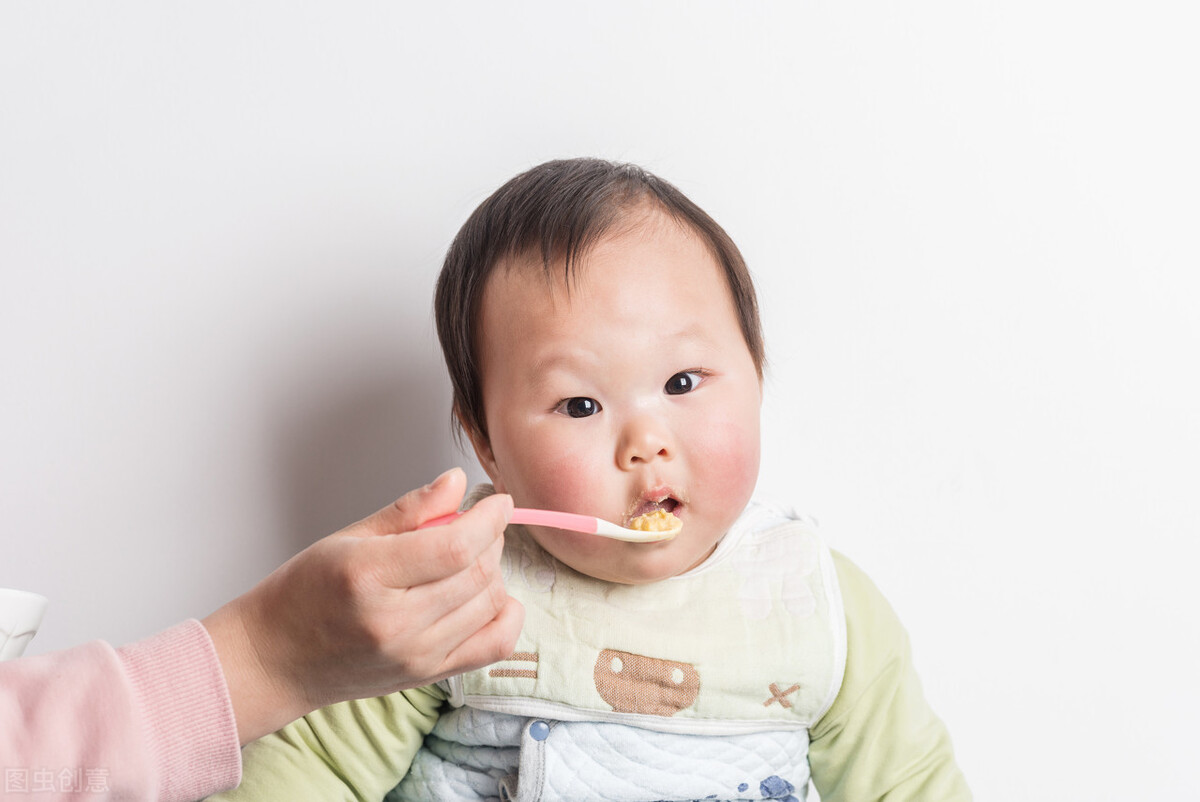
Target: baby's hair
{"points": [[559, 210]]}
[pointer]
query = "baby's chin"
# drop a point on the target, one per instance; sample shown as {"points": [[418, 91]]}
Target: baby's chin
{"points": [[625, 563]]}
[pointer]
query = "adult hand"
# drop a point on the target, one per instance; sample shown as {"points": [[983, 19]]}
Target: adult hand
{"points": [[375, 608]]}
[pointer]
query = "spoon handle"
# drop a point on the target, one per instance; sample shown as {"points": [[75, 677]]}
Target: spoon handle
{"points": [[574, 522]]}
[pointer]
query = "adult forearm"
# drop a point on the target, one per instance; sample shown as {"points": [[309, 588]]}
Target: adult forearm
{"points": [[151, 720]]}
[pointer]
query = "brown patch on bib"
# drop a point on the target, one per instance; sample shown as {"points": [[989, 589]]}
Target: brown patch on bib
{"points": [[634, 683], [521, 670]]}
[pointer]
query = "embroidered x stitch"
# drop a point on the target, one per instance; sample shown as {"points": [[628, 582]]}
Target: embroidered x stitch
{"points": [[780, 696]]}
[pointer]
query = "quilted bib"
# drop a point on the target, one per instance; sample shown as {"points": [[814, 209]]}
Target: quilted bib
{"points": [[752, 640]]}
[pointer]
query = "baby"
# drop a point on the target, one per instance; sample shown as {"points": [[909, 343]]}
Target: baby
{"points": [[603, 341]]}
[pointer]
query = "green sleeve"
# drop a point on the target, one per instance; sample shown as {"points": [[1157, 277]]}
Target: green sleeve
{"points": [[349, 751], [880, 740]]}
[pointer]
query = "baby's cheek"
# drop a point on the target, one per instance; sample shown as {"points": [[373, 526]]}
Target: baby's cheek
{"points": [[565, 483], [730, 455]]}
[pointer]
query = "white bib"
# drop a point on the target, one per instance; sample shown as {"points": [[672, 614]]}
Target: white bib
{"points": [[752, 640]]}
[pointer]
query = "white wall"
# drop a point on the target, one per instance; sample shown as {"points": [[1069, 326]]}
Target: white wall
{"points": [[973, 228]]}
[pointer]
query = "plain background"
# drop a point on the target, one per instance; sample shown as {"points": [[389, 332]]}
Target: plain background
{"points": [[972, 225]]}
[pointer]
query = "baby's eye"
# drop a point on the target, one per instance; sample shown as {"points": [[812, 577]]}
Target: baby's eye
{"points": [[579, 407], [683, 382]]}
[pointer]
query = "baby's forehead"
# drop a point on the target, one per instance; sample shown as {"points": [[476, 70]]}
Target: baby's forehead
{"points": [[566, 266], [626, 275]]}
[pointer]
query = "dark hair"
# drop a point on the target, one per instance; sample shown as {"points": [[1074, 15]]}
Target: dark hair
{"points": [[559, 209]]}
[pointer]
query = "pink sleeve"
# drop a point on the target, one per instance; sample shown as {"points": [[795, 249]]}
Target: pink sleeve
{"points": [[151, 720]]}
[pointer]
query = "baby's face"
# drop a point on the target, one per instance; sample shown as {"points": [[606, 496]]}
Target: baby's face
{"points": [[635, 390]]}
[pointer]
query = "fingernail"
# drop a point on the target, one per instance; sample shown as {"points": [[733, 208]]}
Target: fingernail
{"points": [[441, 479]]}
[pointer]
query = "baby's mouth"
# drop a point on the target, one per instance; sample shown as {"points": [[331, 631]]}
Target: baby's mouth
{"points": [[652, 502]]}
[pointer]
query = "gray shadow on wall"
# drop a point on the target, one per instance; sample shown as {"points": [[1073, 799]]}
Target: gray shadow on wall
{"points": [[350, 446]]}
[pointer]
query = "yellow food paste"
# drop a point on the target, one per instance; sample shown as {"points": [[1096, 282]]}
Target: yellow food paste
{"points": [[657, 521]]}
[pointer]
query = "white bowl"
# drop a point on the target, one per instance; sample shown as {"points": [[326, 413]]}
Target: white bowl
{"points": [[20, 616]]}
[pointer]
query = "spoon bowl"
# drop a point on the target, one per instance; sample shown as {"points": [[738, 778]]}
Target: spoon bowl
{"points": [[574, 522]]}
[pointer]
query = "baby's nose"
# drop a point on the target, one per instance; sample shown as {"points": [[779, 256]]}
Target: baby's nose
{"points": [[644, 438]]}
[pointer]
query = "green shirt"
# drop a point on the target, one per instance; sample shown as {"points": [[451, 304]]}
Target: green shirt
{"points": [[879, 741]]}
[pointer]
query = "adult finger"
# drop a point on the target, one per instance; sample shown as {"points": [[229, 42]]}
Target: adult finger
{"points": [[479, 587], [439, 497], [492, 642], [428, 555], [465, 648], [454, 623]]}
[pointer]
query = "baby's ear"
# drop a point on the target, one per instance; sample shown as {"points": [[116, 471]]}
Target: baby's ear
{"points": [[483, 451]]}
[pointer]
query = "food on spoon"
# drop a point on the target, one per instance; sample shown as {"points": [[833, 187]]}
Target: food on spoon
{"points": [[657, 521]]}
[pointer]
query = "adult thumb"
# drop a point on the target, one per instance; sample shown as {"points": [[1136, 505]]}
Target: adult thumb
{"points": [[439, 497]]}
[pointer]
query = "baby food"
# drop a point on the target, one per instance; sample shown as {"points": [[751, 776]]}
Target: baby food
{"points": [[657, 521]]}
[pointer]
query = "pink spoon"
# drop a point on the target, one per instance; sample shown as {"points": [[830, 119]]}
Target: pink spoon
{"points": [[576, 523]]}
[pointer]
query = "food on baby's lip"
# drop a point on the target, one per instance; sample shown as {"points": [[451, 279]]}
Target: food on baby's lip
{"points": [[657, 521]]}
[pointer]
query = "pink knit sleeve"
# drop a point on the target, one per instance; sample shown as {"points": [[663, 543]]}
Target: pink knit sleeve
{"points": [[151, 720]]}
